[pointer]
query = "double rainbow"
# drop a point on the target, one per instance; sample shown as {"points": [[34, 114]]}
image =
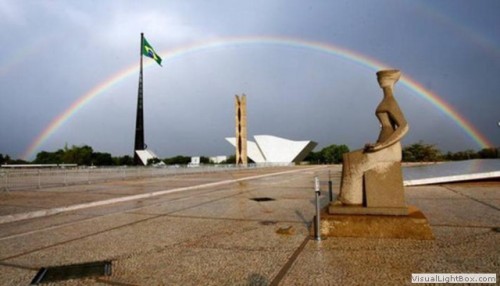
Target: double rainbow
{"points": [[330, 49]]}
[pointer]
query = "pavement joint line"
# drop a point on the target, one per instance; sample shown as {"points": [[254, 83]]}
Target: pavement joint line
{"points": [[75, 239], [20, 206], [53, 211], [52, 227], [12, 265], [463, 226], [470, 197], [231, 219], [112, 282], [468, 239], [284, 270], [153, 216], [131, 211]]}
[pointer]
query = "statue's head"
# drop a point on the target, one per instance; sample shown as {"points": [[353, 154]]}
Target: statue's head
{"points": [[387, 78]]}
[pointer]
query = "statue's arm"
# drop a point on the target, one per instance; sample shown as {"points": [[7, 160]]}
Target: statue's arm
{"points": [[401, 128], [399, 133]]}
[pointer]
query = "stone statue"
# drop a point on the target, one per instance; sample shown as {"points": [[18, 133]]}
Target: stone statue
{"points": [[371, 177]]}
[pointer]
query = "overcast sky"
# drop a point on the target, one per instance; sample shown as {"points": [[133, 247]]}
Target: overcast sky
{"points": [[54, 52]]}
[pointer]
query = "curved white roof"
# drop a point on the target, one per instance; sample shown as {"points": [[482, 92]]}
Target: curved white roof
{"points": [[273, 149]]}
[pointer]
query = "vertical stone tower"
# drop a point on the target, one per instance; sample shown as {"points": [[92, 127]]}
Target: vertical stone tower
{"points": [[241, 130]]}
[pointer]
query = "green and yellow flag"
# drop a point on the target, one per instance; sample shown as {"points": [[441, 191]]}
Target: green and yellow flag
{"points": [[148, 51]]}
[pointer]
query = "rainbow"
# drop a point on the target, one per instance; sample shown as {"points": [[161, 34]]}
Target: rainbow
{"points": [[330, 49]]}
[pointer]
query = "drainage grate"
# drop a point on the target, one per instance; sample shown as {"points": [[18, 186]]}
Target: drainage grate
{"points": [[262, 199], [65, 272]]}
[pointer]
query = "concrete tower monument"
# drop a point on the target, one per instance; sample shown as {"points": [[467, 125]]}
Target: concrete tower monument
{"points": [[241, 130]]}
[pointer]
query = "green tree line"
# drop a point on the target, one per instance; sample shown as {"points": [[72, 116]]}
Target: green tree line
{"points": [[422, 152], [332, 154], [81, 155], [417, 152], [85, 156], [329, 155]]}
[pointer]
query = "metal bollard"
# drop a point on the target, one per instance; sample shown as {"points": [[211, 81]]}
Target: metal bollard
{"points": [[317, 221], [39, 182], [6, 174], [65, 177], [330, 186]]}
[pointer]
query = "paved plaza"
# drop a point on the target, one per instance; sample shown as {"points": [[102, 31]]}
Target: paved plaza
{"points": [[237, 227]]}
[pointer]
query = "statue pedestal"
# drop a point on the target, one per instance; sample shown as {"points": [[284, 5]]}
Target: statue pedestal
{"points": [[383, 193], [414, 225], [360, 210]]}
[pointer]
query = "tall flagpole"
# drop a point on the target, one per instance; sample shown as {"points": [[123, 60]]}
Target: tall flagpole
{"points": [[139, 122]]}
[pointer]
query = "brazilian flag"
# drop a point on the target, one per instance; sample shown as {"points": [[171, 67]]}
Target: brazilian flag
{"points": [[148, 51]]}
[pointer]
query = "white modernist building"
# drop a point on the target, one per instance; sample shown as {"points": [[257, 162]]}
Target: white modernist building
{"points": [[272, 149], [145, 155], [217, 159]]}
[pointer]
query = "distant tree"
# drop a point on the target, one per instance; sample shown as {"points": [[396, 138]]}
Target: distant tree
{"points": [[78, 155], [333, 154], [58, 155], [17, 161], [81, 155], [177, 160], [489, 153], [462, 155], [230, 160], [102, 159], [470, 154], [45, 157], [421, 152], [7, 160], [123, 161], [205, 160], [153, 161], [329, 155], [313, 158]]}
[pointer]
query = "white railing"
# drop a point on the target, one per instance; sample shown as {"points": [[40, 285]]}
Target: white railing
{"points": [[26, 179]]}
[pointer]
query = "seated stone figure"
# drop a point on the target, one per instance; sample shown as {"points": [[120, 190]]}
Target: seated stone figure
{"points": [[377, 160]]}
